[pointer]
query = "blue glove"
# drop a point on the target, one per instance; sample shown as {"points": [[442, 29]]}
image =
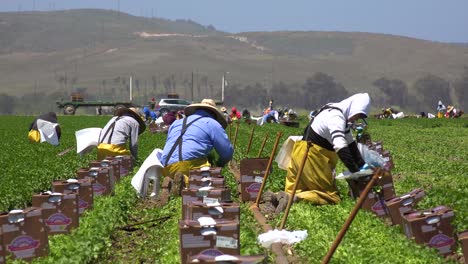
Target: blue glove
{"points": [[364, 167]]}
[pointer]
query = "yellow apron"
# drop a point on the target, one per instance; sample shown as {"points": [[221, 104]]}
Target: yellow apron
{"points": [[34, 136], [316, 184], [104, 150], [184, 167]]}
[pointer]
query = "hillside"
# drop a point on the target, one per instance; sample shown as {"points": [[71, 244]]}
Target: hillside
{"points": [[57, 52]]}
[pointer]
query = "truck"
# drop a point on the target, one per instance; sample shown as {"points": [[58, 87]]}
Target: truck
{"points": [[76, 100]]}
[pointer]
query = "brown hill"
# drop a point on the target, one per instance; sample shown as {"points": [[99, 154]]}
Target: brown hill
{"points": [[58, 52]]}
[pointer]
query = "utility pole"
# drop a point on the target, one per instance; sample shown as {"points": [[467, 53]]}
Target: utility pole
{"points": [[131, 83], [192, 86]]}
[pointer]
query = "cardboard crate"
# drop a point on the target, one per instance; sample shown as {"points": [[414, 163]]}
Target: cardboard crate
{"points": [[255, 259], [226, 211], [112, 165], [463, 238], [23, 235], [125, 164], [252, 171], [432, 227], [383, 184], [223, 238], [399, 205], [375, 203], [204, 195], [59, 210], [207, 172], [82, 187], [100, 178], [196, 182]]}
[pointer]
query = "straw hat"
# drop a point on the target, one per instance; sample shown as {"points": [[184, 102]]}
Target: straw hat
{"points": [[132, 112], [450, 108], [210, 105], [223, 109]]}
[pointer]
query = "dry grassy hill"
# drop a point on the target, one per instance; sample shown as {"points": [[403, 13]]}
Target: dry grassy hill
{"points": [[56, 52]]}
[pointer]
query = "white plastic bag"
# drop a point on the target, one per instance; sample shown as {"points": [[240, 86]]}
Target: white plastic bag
{"points": [[371, 157]]}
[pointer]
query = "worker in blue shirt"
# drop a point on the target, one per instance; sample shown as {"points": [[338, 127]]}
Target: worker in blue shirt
{"points": [[191, 139], [149, 114]]}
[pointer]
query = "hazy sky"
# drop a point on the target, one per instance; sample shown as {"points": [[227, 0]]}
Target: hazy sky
{"points": [[437, 20]]}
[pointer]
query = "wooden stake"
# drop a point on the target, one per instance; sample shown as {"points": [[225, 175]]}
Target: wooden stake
{"points": [[250, 140], [267, 171], [298, 177]]}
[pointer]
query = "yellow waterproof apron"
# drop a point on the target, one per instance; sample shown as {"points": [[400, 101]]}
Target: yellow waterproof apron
{"points": [[34, 136], [107, 149], [316, 184]]}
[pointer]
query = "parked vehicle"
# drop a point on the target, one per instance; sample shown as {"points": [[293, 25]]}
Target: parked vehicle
{"points": [[171, 104]]}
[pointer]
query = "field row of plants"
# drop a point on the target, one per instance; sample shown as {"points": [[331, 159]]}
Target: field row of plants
{"points": [[428, 153]]}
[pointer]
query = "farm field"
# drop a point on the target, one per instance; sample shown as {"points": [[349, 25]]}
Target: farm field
{"points": [[428, 153]]}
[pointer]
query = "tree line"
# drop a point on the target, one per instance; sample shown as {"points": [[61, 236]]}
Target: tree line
{"points": [[315, 91]]}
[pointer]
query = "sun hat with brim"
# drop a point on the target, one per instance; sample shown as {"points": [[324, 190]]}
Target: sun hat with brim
{"points": [[210, 105], [450, 108], [132, 112]]}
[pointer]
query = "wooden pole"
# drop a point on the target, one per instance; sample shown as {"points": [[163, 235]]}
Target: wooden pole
{"points": [[298, 177], [250, 140], [267, 171], [235, 135], [263, 145], [350, 219]]}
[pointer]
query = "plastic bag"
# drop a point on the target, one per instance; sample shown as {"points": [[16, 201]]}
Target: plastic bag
{"points": [[371, 157]]}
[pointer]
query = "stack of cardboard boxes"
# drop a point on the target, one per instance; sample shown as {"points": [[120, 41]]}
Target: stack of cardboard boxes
{"points": [[210, 224], [24, 232], [432, 227]]}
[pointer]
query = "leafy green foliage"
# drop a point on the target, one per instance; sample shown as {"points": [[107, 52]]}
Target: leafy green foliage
{"points": [[430, 154]]}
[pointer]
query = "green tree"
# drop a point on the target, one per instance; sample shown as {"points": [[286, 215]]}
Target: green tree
{"points": [[461, 89], [431, 89]]}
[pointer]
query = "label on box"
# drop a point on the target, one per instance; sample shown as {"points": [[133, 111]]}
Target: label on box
{"points": [[258, 179], [23, 246], [58, 222], [226, 242]]}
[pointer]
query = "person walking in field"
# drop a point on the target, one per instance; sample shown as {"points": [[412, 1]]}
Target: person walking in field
{"points": [[126, 125], [191, 140], [45, 128], [331, 137]]}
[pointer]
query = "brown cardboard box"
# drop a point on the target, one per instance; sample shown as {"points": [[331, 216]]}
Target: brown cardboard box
{"points": [[383, 185], [397, 206], [197, 181], [126, 164], [23, 234], [375, 203], [204, 196], [432, 227], [82, 187], [100, 177], [256, 259], [223, 238], [59, 210], [112, 165], [252, 171], [226, 211], [212, 172], [463, 238]]}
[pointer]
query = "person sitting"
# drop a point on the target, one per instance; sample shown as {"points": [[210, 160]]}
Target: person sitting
{"points": [[331, 138], [235, 115], [45, 128], [125, 125], [191, 140]]}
